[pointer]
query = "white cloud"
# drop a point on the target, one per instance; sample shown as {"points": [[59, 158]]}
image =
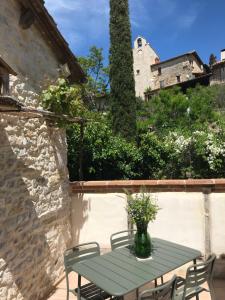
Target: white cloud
{"points": [[82, 22], [86, 22], [57, 5], [188, 20], [95, 6]]}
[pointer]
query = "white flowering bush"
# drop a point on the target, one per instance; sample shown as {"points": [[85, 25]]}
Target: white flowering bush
{"points": [[215, 148], [177, 141], [200, 155]]}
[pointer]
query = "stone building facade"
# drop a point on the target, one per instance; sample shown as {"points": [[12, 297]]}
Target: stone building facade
{"points": [[218, 71], [151, 74], [175, 70], [35, 225]]}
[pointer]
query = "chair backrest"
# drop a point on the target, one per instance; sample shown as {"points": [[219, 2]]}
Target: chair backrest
{"points": [[162, 292], [122, 239], [200, 273], [79, 253]]}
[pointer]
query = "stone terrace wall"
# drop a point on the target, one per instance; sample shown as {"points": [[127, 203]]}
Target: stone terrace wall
{"points": [[34, 201], [192, 214]]}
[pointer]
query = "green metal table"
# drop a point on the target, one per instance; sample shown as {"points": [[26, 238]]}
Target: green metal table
{"points": [[120, 272]]}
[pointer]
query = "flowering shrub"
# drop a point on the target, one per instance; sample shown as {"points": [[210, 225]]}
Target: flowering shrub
{"points": [[200, 155]]}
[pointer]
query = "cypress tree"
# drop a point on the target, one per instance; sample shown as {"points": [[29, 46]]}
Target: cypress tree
{"points": [[212, 59], [122, 93]]}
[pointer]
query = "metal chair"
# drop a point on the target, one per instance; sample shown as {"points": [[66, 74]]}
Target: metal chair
{"points": [[77, 254], [122, 239], [162, 292], [196, 275]]}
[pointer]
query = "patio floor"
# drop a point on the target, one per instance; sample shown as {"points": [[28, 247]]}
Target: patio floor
{"points": [[60, 291]]}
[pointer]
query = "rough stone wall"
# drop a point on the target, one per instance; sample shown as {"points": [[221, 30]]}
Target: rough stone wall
{"points": [[218, 74], [27, 53], [143, 57], [35, 224], [171, 69]]}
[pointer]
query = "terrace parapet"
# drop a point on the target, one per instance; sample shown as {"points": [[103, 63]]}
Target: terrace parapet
{"points": [[180, 185]]}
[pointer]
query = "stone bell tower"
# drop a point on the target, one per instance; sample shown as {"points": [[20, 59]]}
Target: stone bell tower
{"points": [[144, 56]]}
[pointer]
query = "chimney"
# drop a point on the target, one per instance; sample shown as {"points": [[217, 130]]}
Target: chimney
{"points": [[223, 54]]}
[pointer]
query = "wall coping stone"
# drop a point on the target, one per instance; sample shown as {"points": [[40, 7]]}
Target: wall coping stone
{"points": [[168, 185]]}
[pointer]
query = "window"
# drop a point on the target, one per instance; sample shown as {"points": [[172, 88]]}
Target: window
{"points": [[191, 62], [178, 78], [138, 72], [162, 84], [4, 84], [159, 71], [5, 70], [139, 42]]}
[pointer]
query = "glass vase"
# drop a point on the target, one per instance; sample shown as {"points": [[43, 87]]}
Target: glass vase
{"points": [[142, 241]]}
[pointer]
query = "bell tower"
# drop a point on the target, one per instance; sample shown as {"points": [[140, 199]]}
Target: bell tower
{"points": [[144, 56]]}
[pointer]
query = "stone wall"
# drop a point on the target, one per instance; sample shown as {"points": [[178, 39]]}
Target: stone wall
{"points": [[171, 69], [218, 74], [35, 224], [27, 53]]}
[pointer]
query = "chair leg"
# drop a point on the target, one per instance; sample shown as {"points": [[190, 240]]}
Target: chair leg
{"points": [[212, 291], [137, 292], [79, 287], [156, 282], [67, 287]]}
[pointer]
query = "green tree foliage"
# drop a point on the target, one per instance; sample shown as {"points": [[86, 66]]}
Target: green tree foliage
{"points": [[212, 59], [201, 106], [172, 110], [123, 106], [97, 74], [169, 109], [106, 156], [180, 136]]}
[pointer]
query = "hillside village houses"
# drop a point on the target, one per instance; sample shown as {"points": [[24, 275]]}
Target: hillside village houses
{"points": [[185, 70], [35, 209]]}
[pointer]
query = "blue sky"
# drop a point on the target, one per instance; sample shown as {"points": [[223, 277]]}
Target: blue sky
{"points": [[172, 27]]}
